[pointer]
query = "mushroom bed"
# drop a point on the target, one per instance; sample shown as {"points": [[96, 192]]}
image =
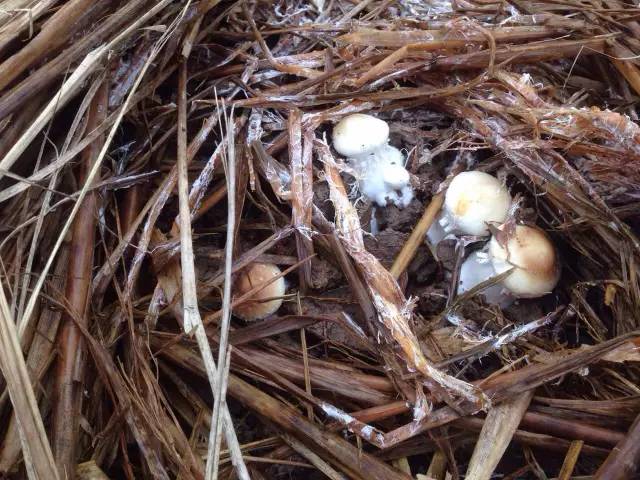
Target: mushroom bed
{"points": [[305, 239]]}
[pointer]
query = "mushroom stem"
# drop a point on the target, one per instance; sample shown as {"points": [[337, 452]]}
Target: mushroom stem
{"points": [[476, 269], [382, 176]]}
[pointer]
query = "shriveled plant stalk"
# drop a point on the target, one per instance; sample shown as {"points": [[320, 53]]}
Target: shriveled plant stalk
{"points": [[352, 462], [15, 26], [73, 131], [35, 445], [301, 193], [56, 32], [499, 426], [223, 344], [539, 440], [70, 365], [416, 239], [66, 92], [192, 320], [39, 359], [624, 460], [46, 74], [570, 460]]}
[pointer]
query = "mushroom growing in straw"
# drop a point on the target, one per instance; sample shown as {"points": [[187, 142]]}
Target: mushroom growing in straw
{"points": [[378, 166], [532, 255], [265, 302], [527, 252], [473, 201], [359, 134]]}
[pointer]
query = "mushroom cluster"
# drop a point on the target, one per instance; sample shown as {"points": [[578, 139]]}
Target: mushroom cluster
{"points": [[474, 201], [378, 166]]}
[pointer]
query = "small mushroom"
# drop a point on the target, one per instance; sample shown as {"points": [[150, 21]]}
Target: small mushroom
{"points": [[379, 167], [473, 200], [265, 302], [527, 252], [359, 134], [532, 255]]}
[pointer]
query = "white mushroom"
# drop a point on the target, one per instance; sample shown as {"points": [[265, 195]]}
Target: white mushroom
{"points": [[531, 254], [379, 167], [268, 300], [473, 200], [359, 134]]}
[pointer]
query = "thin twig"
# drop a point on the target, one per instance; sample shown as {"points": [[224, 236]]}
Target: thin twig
{"points": [[417, 236], [226, 298], [570, 460]]}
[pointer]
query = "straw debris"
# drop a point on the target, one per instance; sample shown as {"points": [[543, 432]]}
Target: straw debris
{"points": [[152, 151]]}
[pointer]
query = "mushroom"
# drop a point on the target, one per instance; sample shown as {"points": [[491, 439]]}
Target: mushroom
{"points": [[378, 167], [527, 252], [359, 134], [265, 302], [532, 255], [473, 200]]}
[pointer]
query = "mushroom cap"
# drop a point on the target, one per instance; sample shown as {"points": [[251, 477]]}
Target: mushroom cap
{"points": [[258, 306], [536, 269], [359, 134], [475, 198]]}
